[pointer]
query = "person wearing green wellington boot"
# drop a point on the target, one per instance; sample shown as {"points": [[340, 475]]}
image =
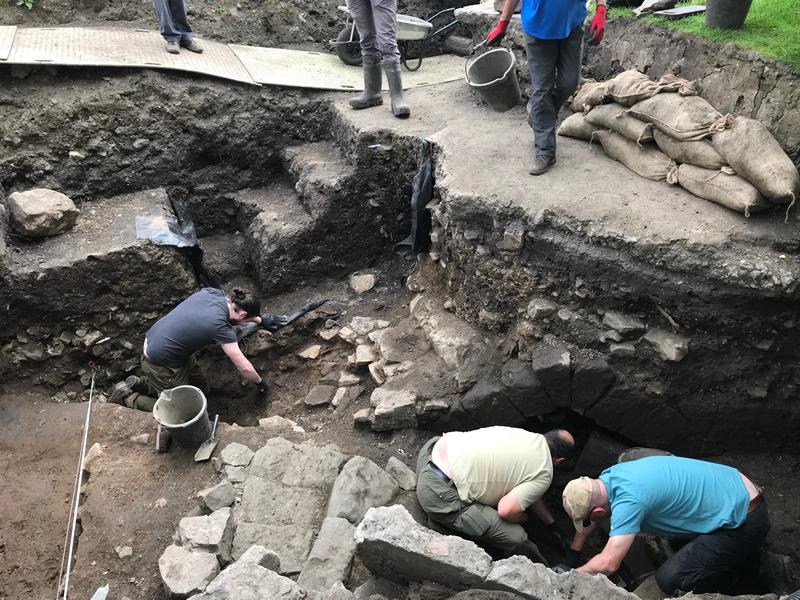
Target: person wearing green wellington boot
{"points": [[376, 22]]}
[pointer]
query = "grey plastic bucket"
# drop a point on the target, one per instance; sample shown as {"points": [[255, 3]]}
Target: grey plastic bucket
{"points": [[183, 411], [494, 76]]}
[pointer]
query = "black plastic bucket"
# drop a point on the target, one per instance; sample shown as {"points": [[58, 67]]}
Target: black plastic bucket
{"points": [[183, 411], [726, 14]]}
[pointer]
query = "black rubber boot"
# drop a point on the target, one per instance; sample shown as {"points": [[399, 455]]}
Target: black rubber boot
{"points": [[371, 96], [399, 107]]}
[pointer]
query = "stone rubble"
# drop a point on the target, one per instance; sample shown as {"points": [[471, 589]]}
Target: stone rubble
{"points": [[185, 573], [212, 533], [236, 455], [330, 557], [361, 485], [218, 496], [405, 477]]}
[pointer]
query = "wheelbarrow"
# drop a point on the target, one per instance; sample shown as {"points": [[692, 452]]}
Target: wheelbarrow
{"points": [[413, 37]]}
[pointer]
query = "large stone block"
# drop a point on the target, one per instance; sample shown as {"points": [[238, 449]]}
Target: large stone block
{"points": [[552, 367], [394, 409], [330, 557], [361, 485], [301, 465], [41, 212], [524, 389], [451, 338], [212, 533], [246, 580], [489, 404], [291, 541], [591, 379], [184, 572], [391, 544], [536, 582]]}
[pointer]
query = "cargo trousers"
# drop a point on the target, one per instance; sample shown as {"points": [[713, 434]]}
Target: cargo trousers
{"points": [[156, 379], [555, 70], [174, 25], [478, 522], [376, 23]]}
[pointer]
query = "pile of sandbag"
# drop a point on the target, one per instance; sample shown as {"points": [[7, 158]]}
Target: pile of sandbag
{"points": [[664, 131]]}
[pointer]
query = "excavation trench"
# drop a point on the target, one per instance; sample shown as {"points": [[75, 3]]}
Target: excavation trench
{"points": [[290, 197]]}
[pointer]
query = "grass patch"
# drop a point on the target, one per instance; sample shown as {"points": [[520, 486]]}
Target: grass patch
{"points": [[772, 28]]}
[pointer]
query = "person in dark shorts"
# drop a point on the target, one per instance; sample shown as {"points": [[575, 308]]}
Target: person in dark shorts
{"points": [[170, 346]]}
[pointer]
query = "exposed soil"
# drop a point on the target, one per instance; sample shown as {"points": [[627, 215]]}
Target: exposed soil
{"points": [[135, 497]]}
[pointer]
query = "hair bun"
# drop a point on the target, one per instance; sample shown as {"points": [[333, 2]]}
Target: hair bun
{"points": [[239, 293]]}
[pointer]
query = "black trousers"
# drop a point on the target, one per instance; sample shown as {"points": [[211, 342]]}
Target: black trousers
{"points": [[710, 560]]}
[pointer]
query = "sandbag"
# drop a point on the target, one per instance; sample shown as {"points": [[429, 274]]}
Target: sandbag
{"points": [[576, 126], [685, 118], [748, 147], [731, 191], [615, 118], [647, 161], [700, 154], [631, 86], [590, 93]]}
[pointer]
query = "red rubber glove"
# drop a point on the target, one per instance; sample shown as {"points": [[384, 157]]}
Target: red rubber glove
{"points": [[598, 26], [496, 35]]}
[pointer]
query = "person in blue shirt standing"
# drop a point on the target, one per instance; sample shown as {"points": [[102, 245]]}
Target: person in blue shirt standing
{"points": [[716, 506], [553, 44]]}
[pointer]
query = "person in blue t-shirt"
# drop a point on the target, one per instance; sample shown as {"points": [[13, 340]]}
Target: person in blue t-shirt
{"points": [[717, 507], [553, 44]]}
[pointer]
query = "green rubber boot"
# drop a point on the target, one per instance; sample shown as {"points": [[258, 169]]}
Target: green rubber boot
{"points": [[399, 107], [371, 96]]}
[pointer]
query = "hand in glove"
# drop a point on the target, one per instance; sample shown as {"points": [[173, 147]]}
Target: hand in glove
{"points": [[572, 558], [561, 568], [274, 322], [496, 35], [263, 387], [559, 537], [598, 26]]}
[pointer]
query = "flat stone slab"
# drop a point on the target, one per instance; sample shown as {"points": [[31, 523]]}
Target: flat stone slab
{"points": [[237, 455], [330, 558], [246, 580], [184, 572], [284, 499], [391, 544], [536, 582], [361, 485]]}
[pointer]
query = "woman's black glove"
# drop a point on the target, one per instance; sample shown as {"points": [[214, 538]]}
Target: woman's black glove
{"points": [[263, 387], [274, 322]]}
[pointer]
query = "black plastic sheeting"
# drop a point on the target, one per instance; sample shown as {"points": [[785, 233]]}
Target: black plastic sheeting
{"points": [[179, 232], [421, 195]]}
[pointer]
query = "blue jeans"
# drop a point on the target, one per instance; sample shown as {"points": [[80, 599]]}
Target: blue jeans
{"points": [[555, 68], [171, 15], [709, 561]]}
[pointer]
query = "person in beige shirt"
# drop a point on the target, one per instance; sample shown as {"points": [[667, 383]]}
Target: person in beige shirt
{"points": [[482, 483]]}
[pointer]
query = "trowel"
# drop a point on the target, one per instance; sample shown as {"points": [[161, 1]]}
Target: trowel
{"points": [[206, 449]]}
